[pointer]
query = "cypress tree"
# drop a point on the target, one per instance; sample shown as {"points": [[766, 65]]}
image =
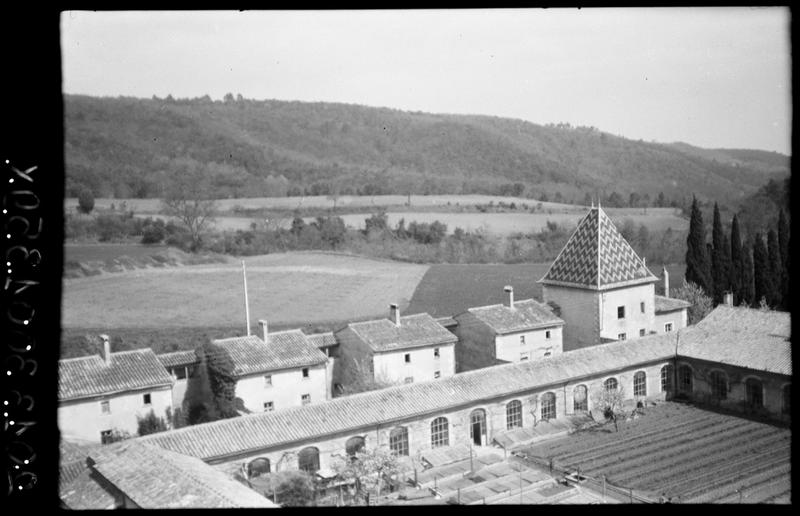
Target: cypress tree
{"points": [[761, 272], [783, 244], [748, 283], [720, 259], [735, 271], [697, 263], [775, 270]]}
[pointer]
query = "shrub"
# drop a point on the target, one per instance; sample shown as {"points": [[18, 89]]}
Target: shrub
{"points": [[150, 424], [85, 200], [154, 233], [293, 489]]}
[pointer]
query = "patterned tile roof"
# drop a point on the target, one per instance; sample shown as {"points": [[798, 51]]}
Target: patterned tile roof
{"points": [[417, 330], [526, 315], [284, 350], [155, 478], [596, 256], [272, 429], [178, 358], [669, 304], [129, 370], [323, 340], [743, 337]]}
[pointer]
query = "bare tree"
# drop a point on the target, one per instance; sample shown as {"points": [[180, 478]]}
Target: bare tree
{"points": [[186, 198], [610, 402]]}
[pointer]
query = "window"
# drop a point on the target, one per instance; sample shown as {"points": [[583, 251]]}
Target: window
{"points": [[640, 384], [620, 312], [514, 414], [719, 385], [547, 334], [610, 384], [548, 351], [435, 352], [437, 374], [268, 380], [524, 356], [409, 379], [580, 400], [269, 406], [105, 436], [180, 373], [477, 427], [407, 358], [642, 332], [398, 441], [668, 327], [522, 339], [440, 435], [666, 378], [147, 399], [306, 399], [754, 393], [548, 406], [621, 336], [305, 372], [786, 406], [641, 305], [258, 467], [685, 378], [308, 459], [354, 445], [105, 407]]}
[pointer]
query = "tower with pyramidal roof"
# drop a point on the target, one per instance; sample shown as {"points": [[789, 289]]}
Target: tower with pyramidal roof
{"points": [[600, 287]]}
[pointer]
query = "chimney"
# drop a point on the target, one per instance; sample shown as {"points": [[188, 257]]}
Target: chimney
{"points": [[106, 349], [264, 329], [666, 281], [728, 298], [510, 290], [394, 314]]}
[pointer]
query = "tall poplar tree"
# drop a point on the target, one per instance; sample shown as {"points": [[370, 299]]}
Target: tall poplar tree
{"points": [[747, 289], [775, 270], [697, 263], [735, 271], [720, 259], [783, 244], [761, 272]]}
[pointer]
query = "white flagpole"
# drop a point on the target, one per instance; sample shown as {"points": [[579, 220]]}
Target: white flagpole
{"points": [[246, 304]]}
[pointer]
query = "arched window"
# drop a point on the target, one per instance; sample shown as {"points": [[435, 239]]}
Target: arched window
{"points": [[685, 378], [611, 384], [354, 445], [257, 467], [786, 406], [667, 374], [308, 459], [640, 384], [579, 399], [398, 440], [719, 385], [477, 427], [514, 414], [548, 406], [754, 392], [440, 435]]}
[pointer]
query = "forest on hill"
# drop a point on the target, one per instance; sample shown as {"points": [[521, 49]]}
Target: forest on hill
{"points": [[127, 147]]}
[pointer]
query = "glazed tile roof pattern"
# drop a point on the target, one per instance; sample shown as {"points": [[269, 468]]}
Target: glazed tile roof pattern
{"points": [[414, 331], [322, 340], [178, 358], [743, 337], [596, 256], [262, 431], [284, 350], [155, 478], [669, 304], [129, 370], [526, 315]]}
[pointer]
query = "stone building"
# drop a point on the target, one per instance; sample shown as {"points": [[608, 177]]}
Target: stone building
{"points": [[512, 332]]}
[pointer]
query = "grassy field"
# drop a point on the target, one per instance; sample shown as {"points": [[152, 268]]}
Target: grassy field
{"points": [[92, 252], [449, 289], [297, 288]]}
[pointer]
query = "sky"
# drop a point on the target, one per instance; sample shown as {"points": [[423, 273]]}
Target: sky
{"points": [[711, 77]]}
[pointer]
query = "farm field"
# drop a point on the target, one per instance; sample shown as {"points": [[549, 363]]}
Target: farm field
{"points": [[689, 454], [91, 252], [294, 288], [449, 289]]}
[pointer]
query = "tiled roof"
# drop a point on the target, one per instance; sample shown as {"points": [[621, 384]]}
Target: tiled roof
{"points": [[155, 478], [526, 315], [82, 489], [323, 340], [596, 256], [414, 331], [669, 304], [129, 370], [743, 337], [271, 429], [284, 350], [178, 358]]}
